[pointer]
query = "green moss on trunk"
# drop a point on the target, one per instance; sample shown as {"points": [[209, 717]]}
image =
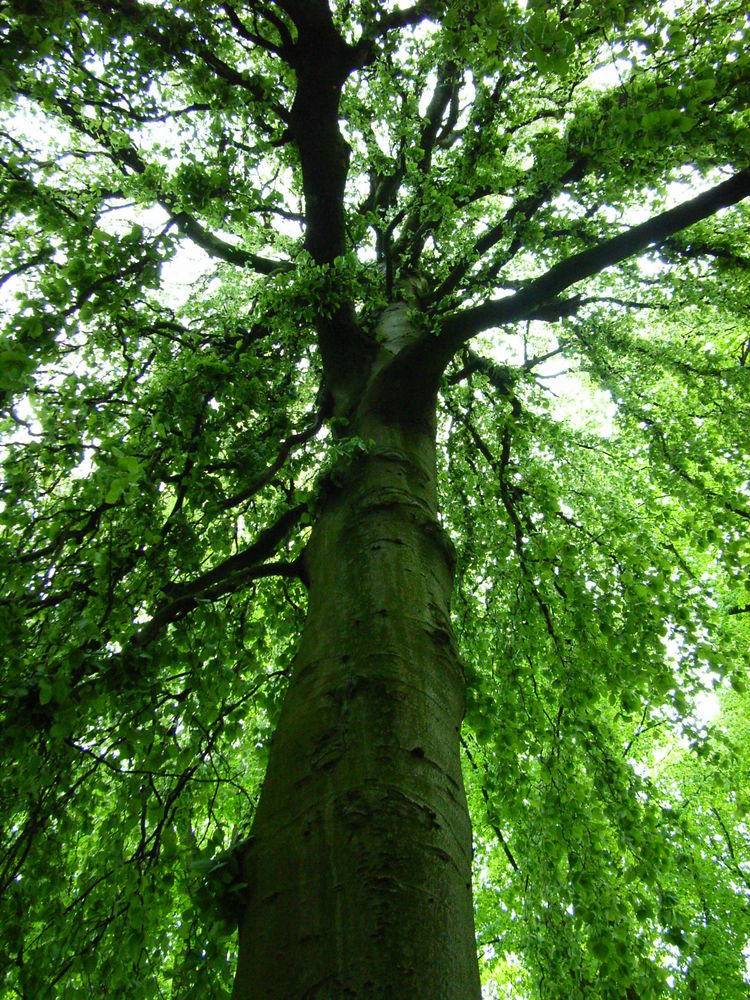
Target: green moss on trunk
{"points": [[360, 865]]}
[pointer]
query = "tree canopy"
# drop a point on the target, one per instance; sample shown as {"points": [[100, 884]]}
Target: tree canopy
{"points": [[202, 225]]}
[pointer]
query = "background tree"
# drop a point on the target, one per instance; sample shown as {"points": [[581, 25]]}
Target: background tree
{"points": [[308, 306]]}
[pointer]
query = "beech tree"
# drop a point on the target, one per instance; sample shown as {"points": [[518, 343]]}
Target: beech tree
{"points": [[375, 392]]}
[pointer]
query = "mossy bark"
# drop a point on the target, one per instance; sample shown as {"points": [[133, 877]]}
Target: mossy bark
{"points": [[359, 869]]}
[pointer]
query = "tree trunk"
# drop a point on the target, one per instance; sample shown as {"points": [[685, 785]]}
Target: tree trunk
{"points": [[359, 868]]}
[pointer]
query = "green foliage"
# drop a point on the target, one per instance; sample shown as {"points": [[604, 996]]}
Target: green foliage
{"points": [[160, 378]]}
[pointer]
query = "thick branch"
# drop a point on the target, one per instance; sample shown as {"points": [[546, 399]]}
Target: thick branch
{"points": [[216, 247], [37, 258], [182, 606], [461, 326], [502, 377], [225, 578], [445, 90], [322, 62], [249, 558], [417, 372], [421, 11], [384, 188]]}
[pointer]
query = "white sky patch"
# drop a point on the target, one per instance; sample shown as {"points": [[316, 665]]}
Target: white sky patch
{"points": [[573, 399], [581, 406], [609, 75], [707, 708], [180, 274]]}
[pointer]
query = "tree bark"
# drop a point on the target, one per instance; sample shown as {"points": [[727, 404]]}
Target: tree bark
{"points": [[359, 867]]}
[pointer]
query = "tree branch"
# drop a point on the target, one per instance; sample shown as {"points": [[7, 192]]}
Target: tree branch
{"points": [[37, 258], [520, 212], [446, 89], [182, 606], [251, 36], [225, 578], [735, 863], [128, 156], [247, 559], [216, 247], [164, 36], [697, 248], [461, 326], [416, 373], [286, 447], [485, 795], [421, 11]]}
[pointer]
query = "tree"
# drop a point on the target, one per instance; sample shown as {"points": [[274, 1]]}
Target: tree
{"points": [[305, 533]]}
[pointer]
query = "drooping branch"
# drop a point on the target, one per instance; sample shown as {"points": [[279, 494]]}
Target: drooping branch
{"points": [[128, 158], [182, 606], [486, 796], [249, 558], [735, 865]]}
